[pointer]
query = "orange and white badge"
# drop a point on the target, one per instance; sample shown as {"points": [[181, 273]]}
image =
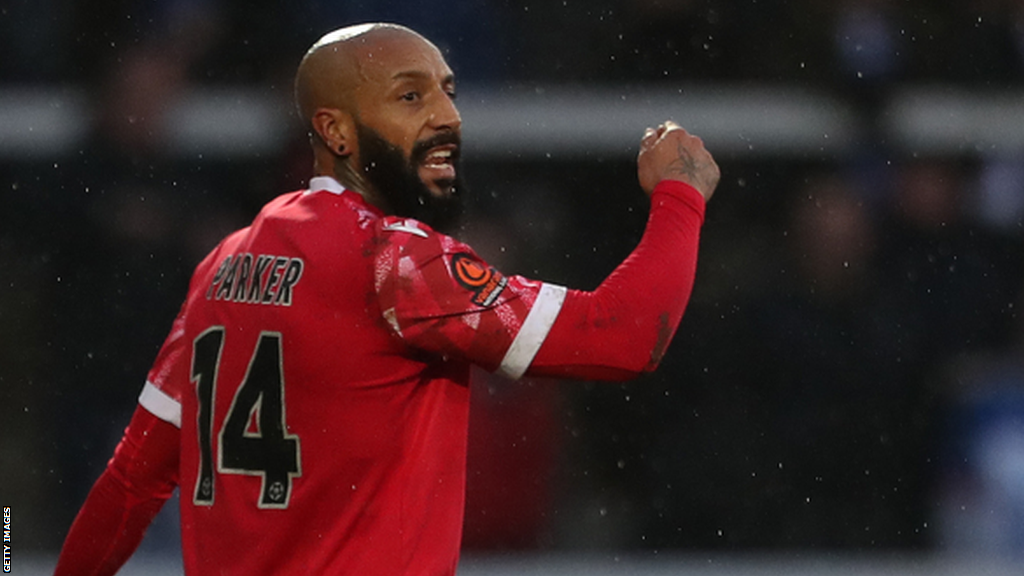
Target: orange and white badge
{"points": [[484, 282]]}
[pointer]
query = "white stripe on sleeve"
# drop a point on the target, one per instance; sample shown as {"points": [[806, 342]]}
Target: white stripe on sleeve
{"points": [[161, 405], [535, 329]]}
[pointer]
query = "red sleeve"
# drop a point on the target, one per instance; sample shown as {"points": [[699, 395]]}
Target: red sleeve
{"points": [[623, 328], [139, 478], [439, 296]]}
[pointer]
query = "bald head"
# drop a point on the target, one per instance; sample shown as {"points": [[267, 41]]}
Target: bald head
{"points": [[378, 101], [335, 66]]}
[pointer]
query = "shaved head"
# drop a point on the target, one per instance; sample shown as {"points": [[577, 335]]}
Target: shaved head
{"points": [[334, 66], [378, 102]]}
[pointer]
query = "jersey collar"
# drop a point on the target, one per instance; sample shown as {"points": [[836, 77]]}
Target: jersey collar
{"points": [[318, 183], [329, 184]]}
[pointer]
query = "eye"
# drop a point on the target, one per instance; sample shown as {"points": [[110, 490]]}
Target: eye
{"points": [[411, 96]]}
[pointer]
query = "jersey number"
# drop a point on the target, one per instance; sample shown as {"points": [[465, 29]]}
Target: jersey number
{"points": [[253, 439]]}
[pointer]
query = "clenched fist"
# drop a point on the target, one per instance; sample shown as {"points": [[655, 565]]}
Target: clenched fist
{"points": [[671, 153]]}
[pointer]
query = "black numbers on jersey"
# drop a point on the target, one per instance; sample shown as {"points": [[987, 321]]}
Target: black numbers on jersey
{"points": [[205, 359], [253, 439]]}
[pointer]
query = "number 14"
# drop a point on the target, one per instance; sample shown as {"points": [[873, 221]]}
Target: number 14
{"points": [[262, 450]]}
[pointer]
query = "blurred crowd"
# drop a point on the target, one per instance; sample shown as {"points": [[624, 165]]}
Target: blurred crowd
{"points": [[855, 45], [850, 374]]}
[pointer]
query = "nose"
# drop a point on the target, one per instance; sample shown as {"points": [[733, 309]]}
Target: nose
{"points": [[445, 115]]}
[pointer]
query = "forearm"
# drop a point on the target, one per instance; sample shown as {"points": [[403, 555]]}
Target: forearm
{"points": [[622, 328], [139, 478]]}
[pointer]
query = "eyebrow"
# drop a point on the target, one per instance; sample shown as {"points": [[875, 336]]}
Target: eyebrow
{"points": [[418, 75]]}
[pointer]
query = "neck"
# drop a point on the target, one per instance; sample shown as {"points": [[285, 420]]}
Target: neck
{"points": [[343, 170]]}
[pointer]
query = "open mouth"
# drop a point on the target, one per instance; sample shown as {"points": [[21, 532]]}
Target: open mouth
{"points": [[439, 162]]}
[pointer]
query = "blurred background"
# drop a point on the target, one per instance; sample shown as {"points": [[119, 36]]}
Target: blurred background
{"points": [[848, 379]]}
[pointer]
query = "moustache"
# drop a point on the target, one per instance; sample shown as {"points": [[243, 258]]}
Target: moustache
{"points": [[421, 148]]}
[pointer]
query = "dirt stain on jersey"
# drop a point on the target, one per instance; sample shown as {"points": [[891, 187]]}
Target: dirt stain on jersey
{"points": [[661, 345]]}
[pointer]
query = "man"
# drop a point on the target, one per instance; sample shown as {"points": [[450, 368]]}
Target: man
{"points": [[311, 400]]}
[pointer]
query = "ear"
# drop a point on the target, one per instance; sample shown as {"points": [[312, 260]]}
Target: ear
{"points": [[336, 130]]}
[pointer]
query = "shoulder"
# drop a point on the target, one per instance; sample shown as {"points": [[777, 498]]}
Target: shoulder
{"points": [[400, 230], [315, 208], [414, 244], [412, 258], [396, 238]]}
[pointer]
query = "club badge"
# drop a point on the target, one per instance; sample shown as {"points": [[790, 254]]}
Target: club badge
{"points": [[484, 282]]}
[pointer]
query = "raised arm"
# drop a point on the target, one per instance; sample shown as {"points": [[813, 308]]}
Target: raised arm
{"points": [[438, 295], [623, 328]]}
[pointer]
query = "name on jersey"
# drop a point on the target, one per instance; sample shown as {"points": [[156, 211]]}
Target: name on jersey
{"points": [[262, 279]]}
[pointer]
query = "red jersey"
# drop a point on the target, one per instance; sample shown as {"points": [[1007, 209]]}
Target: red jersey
{"points": [[318, 372]]}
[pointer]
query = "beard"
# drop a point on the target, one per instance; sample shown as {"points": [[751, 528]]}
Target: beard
{"points": [[396, 179]]}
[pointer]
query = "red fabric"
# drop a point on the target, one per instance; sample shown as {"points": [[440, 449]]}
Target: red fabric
{"points": [[138, 480], [378, 428], [373, 405], [514, 426], [514, 432], [441, 297], [621, 329]]}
